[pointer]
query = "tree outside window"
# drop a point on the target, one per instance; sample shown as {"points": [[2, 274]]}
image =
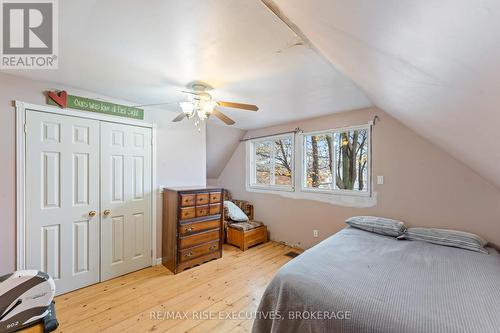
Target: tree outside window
{"points": [[337, 160], [263, 163], [274, 162], [318, 161], [352, 160]]}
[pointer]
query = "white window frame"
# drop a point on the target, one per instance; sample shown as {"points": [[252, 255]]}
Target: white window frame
{"points": [[251, 172], [303, 177]]}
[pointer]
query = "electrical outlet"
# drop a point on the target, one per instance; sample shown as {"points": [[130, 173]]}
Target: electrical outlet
{"points": [[315, 233], [380, 180]]}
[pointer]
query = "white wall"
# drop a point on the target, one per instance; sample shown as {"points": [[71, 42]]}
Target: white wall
{"points": [[181, 158]]}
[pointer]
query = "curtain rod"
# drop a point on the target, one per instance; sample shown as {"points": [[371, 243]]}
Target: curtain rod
{"points": [[295, 131], [298, 130]]}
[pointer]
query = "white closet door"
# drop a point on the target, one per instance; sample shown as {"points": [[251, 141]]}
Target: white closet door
{"points": [[125, 199], [62, 198]]}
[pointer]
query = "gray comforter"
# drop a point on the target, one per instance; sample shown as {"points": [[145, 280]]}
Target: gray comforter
{"points": [[357, 281]]}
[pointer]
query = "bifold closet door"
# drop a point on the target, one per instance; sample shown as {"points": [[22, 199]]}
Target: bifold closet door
{"points": [[62, 198], [125, 199]]}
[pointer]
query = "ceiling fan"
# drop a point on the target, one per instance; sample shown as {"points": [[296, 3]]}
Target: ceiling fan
{"points": [[200, 106]]}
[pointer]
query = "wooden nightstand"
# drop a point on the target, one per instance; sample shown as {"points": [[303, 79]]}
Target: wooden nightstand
{"points": [[246, 238]]}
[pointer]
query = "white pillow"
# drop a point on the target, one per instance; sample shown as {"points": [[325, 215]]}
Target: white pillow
{"points": [[234, 212]]}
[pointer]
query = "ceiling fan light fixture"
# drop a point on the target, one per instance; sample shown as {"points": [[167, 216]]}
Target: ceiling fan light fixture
{"points": [[202, 115], [187, 107], [209, 106], [200, 106]]}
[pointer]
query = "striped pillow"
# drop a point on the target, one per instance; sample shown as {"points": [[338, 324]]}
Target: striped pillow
{"points": [[379, 225], [447, 237]]}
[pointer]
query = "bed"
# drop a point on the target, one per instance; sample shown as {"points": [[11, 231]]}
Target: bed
{"points": [[358, 281]]}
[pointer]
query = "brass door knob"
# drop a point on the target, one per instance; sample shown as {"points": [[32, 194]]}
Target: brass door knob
{"points": [[92, 213], [107, 212]]}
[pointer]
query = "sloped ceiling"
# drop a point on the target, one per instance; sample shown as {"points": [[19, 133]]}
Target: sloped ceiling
{"points": [[149, 51], [222, 141], [431, 64], [434, 65]]}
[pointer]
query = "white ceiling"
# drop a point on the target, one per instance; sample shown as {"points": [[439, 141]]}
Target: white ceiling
{"points": [[149, 51], [434, 65], [431, 64]]}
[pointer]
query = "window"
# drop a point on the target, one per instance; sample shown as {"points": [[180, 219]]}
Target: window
{"points": [[272, 162], [318, 161], [331, 162], [337, 161]]}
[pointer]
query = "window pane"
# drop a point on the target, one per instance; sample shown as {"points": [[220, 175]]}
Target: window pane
{"points": [[263, 163], [318, 161], [283, 162], [351, 154]]}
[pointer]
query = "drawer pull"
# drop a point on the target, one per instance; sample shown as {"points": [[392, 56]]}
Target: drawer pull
{"points": [[212, 248], [189, 229], [189, 254], [187, 213]]}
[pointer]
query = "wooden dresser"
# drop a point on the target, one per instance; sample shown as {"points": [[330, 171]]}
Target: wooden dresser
{"points": [[192, 226]]}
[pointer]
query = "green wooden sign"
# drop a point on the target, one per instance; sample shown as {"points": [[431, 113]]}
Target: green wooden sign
{"points": [[63, 100]]}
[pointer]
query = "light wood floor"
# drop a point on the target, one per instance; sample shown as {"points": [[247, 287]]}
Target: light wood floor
{"points": [[129, 303]]}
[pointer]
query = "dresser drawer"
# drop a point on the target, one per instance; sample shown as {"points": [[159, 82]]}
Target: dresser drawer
{"points": [[188, 213], [200, 238], [215, 197], [197, 251], [202, 211], [190, 228], [202, 199], [188, 200], [214, 209]]}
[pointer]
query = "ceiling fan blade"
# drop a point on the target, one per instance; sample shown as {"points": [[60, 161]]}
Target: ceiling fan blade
{"points": [[191, 92], [223, 117], [179, 117], [155, 104], [197, 93], [249, 107]]}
